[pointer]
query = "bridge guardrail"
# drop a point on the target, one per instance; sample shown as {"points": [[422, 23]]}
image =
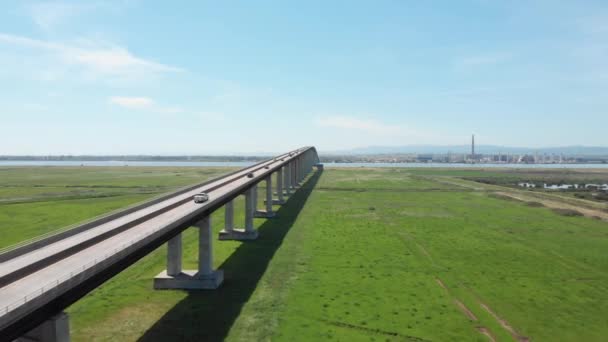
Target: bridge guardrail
{"points": [[70, 276], [118, 212], [79, 274]]}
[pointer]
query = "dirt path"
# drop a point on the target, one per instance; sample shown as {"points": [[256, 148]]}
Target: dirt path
{"points": [[589, 209], [466, 311], [456, 182], [519, 337], [487, 333], [555, 204]]}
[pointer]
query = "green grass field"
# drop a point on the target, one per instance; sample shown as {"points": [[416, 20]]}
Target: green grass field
{"points": [[356, 254]]}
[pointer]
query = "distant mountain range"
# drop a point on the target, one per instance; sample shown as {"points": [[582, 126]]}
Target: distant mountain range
{"points": [[479, 149]]}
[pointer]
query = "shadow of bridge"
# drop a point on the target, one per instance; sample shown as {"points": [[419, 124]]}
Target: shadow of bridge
{"points": [[209, 315]]}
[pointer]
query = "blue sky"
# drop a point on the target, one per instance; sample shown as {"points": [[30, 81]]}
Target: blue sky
{"points": [[160, 77]]}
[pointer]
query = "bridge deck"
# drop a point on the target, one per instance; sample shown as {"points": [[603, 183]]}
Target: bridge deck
{"points": [[58, 266]]}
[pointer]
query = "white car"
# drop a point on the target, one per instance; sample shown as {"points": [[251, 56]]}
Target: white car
{"points": [[201, 197]]}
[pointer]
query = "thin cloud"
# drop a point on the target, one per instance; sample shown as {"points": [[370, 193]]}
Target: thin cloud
{"points": [[594, 24], [143, 103], [132, 102], [212, 116], [351, 123], [481, 60], [377, 132], [92, 57], [48, 15]]}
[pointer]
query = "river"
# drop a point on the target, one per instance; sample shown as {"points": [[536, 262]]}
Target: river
{"points": [[339, 165]]}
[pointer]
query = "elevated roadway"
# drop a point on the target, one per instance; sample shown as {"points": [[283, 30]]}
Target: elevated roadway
{"points": [[41, 278]]}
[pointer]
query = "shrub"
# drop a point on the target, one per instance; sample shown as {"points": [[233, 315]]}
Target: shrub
{"points": [[504, 197], [567, 212]]}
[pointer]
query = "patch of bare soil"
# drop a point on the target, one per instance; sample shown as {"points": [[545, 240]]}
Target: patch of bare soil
{"points": [[440, 283], [485, 331], [586, 279], [424, 251], [437, 213], [465, 310], [519, 337], [453, 182], [595, 213], [534, 204], [370, 189], [373, 330]]}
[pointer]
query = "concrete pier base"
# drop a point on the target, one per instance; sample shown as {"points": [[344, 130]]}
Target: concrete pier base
{"points": [[238, 234], [264, 214], [205, 278], [55, 329], [278, 201], [189, 280]]}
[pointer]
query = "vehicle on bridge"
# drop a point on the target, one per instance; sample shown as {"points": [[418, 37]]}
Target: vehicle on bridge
{"points": [[201, 198], [42, 277]]}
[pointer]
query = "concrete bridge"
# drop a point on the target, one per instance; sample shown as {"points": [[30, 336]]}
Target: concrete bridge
{"points": [[39, 279]]}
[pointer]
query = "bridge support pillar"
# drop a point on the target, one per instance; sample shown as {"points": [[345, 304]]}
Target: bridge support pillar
{"points": [[294, 175], [174, 255], [287, 179], [205, 278], [301, 171], [268, 213], [228, 217], [280, 199], [248, 233], [55, 329], [255, 198]]}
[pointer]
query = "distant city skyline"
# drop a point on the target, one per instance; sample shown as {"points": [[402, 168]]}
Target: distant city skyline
{"points": [[132, 77]]}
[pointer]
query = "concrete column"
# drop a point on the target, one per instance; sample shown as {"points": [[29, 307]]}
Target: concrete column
{"points": [[254, 197], [205, 247], [249, 202], [269, 195], [296, 168], [311, 161], [205, 278], [240, 234], [174, 255], [229, 216], [54, 329], [287, 171], [280, 199], [267, 213], [293, 175]]}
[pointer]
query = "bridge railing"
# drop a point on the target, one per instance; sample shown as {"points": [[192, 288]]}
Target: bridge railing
{"points": [[80, 274], [75, 275], [116, 213]]}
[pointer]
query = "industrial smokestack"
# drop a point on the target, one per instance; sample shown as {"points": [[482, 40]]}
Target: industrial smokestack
{"points": [[473, 147]]}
